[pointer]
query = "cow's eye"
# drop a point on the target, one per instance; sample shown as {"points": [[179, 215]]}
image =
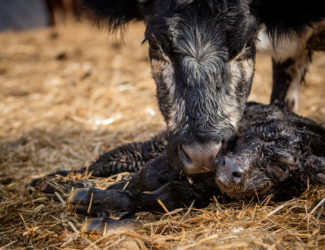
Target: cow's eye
{"points": [[248, 49], [249, 45]]}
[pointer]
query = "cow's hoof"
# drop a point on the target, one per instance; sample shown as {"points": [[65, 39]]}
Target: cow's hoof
{"points": [[106, 226]]}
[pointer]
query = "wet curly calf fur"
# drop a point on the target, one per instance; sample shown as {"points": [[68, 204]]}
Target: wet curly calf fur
{"points": [[275, 152]]}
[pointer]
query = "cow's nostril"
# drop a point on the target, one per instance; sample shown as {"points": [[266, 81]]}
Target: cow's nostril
{"points": [[183, 155], [198, 157]]}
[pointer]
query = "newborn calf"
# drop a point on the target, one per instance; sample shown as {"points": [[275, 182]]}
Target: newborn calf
{"points": [[274, 152]]}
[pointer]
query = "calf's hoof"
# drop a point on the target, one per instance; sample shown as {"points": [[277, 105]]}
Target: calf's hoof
{"points": [[113, 202], [80, 196], [57, 183], [105, 226]]}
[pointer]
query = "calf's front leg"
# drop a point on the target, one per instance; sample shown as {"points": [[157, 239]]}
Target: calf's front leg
{"points": [[152, 176], [173, 195], [158, 178]]}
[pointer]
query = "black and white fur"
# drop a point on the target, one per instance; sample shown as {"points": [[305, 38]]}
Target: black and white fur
{"points": [[202, 54]]}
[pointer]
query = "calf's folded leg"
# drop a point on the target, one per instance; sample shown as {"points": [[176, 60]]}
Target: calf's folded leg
{"points": [[173, 195], [127, 158], [152, 176]]}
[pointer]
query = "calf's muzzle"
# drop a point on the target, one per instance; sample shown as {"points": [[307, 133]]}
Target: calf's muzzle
{"points": [[228, 172]]}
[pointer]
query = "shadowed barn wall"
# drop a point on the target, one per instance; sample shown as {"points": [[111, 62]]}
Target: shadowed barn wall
{"points": [[22, 14]]}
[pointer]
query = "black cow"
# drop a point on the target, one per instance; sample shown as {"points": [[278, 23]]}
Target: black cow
{"points": [[202, 54]]}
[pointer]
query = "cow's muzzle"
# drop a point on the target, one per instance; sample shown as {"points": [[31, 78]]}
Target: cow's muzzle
{"points": [[198, 157]]}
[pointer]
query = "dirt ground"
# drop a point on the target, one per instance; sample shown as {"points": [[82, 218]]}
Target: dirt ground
{"points": [[71, 93]]}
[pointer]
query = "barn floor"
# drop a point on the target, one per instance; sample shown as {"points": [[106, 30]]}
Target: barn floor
{"points": [[69, 94]]}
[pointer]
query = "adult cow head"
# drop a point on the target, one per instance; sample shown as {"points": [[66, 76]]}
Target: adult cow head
{"points": [[202, 56]]}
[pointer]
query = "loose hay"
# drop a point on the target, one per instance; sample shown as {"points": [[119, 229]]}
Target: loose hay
{"points": [[68, 95]]}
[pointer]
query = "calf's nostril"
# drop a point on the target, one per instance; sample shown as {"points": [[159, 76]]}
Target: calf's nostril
{"points": [[237, 174]]}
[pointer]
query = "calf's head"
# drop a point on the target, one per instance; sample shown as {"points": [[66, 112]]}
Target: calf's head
{"points": [[202, 56], [256, 164]]}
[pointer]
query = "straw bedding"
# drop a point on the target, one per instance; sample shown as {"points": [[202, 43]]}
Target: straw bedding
{"points": [[68, 95]]}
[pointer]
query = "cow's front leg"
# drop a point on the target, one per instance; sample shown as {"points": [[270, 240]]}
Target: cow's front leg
{"points": [[287, 77]]}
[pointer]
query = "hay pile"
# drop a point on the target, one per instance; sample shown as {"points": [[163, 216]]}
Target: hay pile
{"points": [[70, 94]]}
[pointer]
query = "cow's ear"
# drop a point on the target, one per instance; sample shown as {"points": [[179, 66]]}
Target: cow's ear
{"points": [[116, 13]]}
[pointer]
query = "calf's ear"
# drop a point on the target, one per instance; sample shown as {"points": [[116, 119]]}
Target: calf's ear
{"points": [[116, 13], [315, 167]]}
